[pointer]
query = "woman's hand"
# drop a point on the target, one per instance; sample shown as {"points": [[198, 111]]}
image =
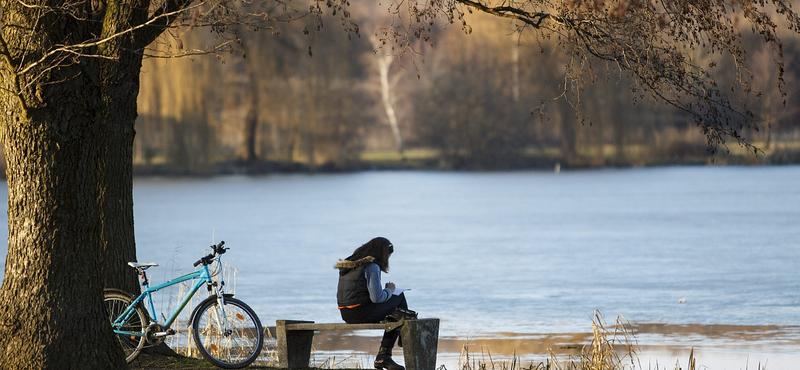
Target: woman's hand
{"points": [[390, 286]]}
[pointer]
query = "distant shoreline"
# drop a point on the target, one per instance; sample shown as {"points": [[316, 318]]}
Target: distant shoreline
{"points": [[428, 162]]}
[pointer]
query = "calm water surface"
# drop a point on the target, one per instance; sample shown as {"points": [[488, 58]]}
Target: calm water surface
{"points": [[520, 252]]}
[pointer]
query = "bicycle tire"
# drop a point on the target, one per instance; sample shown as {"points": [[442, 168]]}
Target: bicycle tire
{"points": [[233, 350], [115, 303]]}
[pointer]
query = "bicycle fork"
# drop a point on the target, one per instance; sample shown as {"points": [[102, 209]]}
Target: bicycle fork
{"points": [[220, 315]]}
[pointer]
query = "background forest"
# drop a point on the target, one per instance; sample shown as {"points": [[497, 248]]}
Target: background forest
{"points": [[462, 100]]}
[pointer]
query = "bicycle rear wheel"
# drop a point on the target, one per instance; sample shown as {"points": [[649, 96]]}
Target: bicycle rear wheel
{"points": [[115, 303], [235, 348]]}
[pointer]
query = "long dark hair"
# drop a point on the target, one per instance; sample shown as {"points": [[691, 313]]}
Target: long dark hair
{"points": [[378, 248]]}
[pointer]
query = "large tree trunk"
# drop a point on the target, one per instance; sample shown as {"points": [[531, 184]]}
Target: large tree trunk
{"points": [[117, 210], [67, 134], [119, 79], [51, 314], [120, 89]]}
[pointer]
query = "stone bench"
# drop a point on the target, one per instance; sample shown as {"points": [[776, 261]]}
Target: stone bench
{"points": [[420, 339]]}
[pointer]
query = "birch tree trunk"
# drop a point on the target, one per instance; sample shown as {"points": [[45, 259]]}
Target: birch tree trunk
{"points": [[384, 61]]}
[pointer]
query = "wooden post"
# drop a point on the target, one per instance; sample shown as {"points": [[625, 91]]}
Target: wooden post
{"points": [[294, 347], [420, 342]]}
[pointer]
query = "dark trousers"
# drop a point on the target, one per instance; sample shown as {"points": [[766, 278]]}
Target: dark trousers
{"points": [[374, 313]]}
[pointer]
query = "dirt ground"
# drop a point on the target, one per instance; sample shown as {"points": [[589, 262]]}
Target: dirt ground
{"points": [[160, 362]]}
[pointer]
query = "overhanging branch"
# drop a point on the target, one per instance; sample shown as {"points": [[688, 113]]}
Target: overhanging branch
{"points": [[530, 18]]}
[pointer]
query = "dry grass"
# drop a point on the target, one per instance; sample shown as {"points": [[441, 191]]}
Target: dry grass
{"points": [[612, 348]]}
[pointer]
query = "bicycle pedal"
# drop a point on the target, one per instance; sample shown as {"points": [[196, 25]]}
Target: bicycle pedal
{"points": [[164, 333]]}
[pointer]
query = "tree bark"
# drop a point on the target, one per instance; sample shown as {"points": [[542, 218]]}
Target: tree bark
{"points": [[120, 89], [50, 302], [67, 134]]}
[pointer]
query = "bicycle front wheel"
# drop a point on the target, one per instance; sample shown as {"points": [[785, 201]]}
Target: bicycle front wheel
{"points": [[229, 337], [115, 303]]}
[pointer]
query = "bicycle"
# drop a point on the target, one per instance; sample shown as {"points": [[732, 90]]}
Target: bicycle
{"points": [[225, 330]]}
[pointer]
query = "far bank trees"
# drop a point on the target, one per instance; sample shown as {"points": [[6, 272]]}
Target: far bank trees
{"points": [[525, 102]]}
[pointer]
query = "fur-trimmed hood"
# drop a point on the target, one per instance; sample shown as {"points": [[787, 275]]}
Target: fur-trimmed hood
{"points": [[348, 265]]}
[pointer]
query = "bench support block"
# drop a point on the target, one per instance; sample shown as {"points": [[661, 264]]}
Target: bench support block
{"points": [[420, 341], [294, 346]]}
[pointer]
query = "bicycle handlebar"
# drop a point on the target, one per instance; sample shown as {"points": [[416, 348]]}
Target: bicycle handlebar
{"points": [[215, 250]]}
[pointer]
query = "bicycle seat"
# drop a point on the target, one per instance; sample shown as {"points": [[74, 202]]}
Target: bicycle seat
{"points": [[142, 266]]}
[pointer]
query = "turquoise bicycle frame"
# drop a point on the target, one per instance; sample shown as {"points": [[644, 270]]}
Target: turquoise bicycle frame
{"points": [[203, 276]]}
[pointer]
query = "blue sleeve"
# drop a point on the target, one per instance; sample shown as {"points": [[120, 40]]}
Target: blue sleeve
{"points": [[377, 293]]}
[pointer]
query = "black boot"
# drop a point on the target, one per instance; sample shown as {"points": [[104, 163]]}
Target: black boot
{"points": [[384, 360]]}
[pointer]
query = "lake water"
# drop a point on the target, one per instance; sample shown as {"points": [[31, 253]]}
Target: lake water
{"points": [[505, 254]]}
